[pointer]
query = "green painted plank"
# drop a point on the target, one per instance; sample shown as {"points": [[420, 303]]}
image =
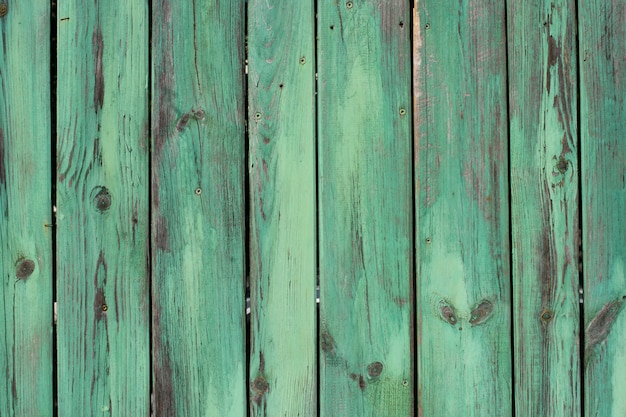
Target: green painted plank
{"points": [[365, 208], [462, 238], [544, 206], [602, 44], [198, 322], [102, 208], [281, 101], [25, 210]]}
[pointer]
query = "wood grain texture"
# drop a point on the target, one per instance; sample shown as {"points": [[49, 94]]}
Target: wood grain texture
{"points": [[25, 211], [463, 278], [198, 322], [102, 208], [281, 100], [603, 116], [544, 206], [365, 205]]}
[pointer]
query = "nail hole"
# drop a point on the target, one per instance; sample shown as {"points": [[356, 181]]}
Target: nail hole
{"points": [[402, 112], [349, 5], [428, 241], [105, 307], [332, 27], [405, 383], [198, 191], [302, 61], [427, 26], [24, 268], [401, 24], [281, 85], [257, 116]]}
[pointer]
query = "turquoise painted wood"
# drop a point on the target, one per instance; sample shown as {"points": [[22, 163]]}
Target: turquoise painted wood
{"points": [[282, 195], [544, 206], [462, 206], [603, 175], [103, 356], [365, 208], [26, 356], [198, 270], [451, 173]]}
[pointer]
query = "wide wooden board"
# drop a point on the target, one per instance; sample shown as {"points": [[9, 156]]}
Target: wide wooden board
{"points": [[281, 109], [102, 106], [365, 208], [198, 306]]}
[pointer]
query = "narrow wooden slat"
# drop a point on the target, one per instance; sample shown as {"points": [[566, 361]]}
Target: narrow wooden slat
{"points": [[602, 35], [102, 208], [544, 206], [365, 203], [25, 210], [281, 68], [198, 323], [463, 278]]}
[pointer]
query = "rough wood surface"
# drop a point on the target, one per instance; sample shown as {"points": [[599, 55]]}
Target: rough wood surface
{"points": [[365, 208], [462, 238], [281, 102], [603, 174], [544, 206], [102, 208], [25, 211], [198, 307]]}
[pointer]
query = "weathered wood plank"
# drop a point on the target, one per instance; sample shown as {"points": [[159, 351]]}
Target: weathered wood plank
{"points": [[603, 148], [544, 206], [365, 203], [25, 210], [102, 208], [462, 238], [281, 100], [198, 322]]}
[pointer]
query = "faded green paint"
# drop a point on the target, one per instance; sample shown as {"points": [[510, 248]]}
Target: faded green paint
{"points": [[198, 323], [102, 208], [281, 107], [365, 208], [463, 280], [544, 206], [25, 211], [603, 174]]}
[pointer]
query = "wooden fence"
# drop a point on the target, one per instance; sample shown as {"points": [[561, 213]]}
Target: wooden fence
{"points": [[448, 178]]}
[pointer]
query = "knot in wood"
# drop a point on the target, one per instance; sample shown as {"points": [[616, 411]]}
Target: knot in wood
{"points": [[25, 268], [374, 369]]}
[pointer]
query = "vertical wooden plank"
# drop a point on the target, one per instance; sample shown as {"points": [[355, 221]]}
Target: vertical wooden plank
{"points": [[544, 206], [365, 203], [463, 278], [602, 37], [198, 323], [102, 208], [25, 210], [281, 92]]}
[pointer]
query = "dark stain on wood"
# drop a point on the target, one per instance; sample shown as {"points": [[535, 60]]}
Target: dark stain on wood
{"points": [[327, 342], [102, 200], [599, 328], [164, 400], [161, 234], [166, 112], [97, 49], [3, 173], [99, 281], [358, 378], [24, 269]]}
